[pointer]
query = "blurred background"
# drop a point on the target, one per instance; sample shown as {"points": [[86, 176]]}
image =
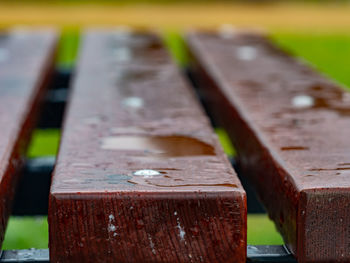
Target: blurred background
{"points": [[316, 31]]}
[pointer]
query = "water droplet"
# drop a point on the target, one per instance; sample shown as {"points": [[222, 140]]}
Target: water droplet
{"points": [[158, 146], [182, 232], [160, 180], [122, 54], [246, 53], [303, 101], [133, 102], [147, 173], [151, 244], [111, 228]]}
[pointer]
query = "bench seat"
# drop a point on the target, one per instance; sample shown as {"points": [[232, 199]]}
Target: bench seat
{"points": [[290, 126], [26, 64], [140, 175]]}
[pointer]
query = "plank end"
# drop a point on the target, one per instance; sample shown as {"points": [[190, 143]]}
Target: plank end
{"points": [[148, 227], [323, 231]]}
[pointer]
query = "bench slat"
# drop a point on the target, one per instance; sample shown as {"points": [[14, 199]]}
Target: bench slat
{"points": [[140, 175], [26, 63], [290, 126]]}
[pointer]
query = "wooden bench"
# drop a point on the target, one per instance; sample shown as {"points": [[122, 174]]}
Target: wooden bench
{"points": [[140, 175], [290, 126], [26, 64]]}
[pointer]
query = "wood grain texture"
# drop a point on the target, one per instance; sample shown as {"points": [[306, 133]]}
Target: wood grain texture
{"points": [[130, 110], [290, 126], [26, 64]]}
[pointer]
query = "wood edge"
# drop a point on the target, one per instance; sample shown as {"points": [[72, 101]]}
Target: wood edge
{"points": [[323, 225]]}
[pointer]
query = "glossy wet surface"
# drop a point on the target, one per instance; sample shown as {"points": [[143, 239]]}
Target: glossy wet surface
{"points": [[140, 171], [20, 70], [26, 63], [133, 124], [303, 117], [159, 146]]}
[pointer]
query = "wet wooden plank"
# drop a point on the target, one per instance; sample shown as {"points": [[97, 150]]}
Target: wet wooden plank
{"points": [[140, 175], [290, 126], [26, 63]]}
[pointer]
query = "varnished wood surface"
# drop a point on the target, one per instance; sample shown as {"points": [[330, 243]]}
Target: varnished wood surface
{"points": [[26, 63], [290, 126], [131, 110]]}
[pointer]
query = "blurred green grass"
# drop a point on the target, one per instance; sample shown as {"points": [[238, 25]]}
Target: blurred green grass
{"points": [[329, 53], [68, 48], [26, 232], [225, 142], [44, 142]]}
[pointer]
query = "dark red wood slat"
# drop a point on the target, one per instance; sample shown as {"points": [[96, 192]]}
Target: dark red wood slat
{"points": [[140, 175], [26, 63], [290, 126]]}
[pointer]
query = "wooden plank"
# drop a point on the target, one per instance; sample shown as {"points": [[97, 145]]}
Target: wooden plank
{"points": [[140, 175], [290, 126], [26, 63]]}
